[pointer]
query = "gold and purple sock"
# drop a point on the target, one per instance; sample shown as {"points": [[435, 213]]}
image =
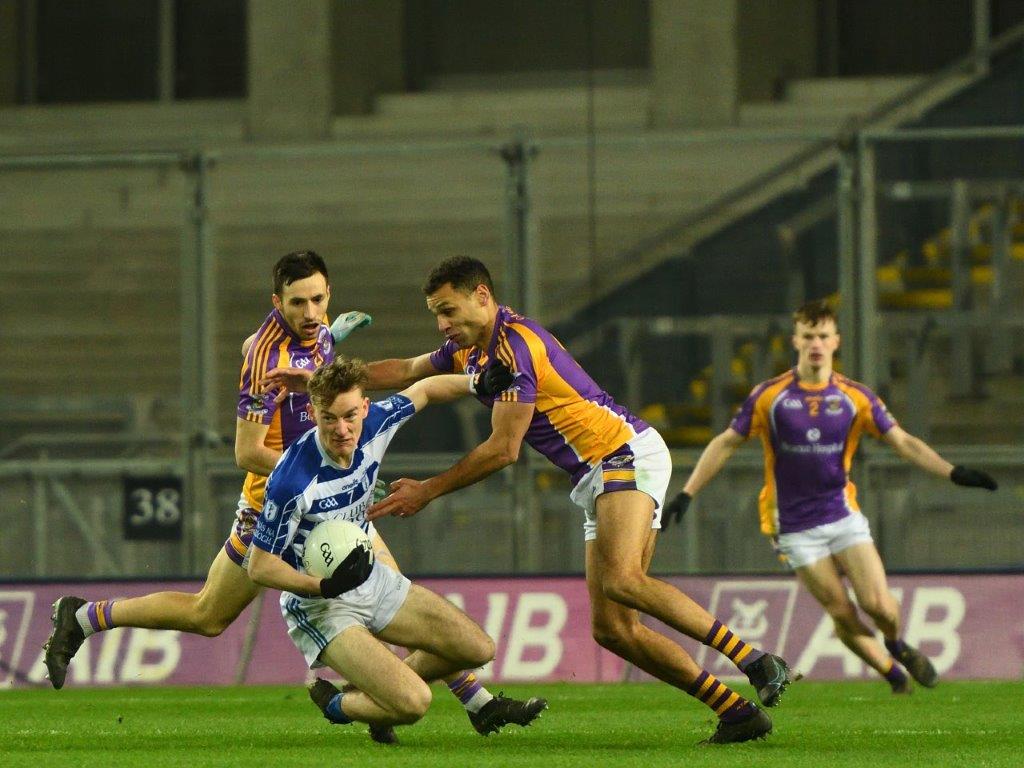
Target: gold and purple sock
{"points": [[470, 692], [96, 617], [895, 647], [727, 704], [896, 676], [724, 641]]}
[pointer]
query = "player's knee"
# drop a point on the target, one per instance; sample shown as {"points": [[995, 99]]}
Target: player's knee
{"points": [[210, 622], [613, 636], [624, 588], [878, 606], [412, 704], [482, 652]]}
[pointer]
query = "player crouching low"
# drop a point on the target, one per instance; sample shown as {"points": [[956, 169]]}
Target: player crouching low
{"points": [[344, 620]]}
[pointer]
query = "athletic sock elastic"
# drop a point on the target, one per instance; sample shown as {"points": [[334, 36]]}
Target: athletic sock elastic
{"points": [[896, 676], [470, 692], [724, 641], [727, 704], [335, 712], [96, 617]]}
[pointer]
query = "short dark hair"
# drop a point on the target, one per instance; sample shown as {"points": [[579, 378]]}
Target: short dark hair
{"points": [[814, 312], [463, 272], [343, 374], [297, 266]]}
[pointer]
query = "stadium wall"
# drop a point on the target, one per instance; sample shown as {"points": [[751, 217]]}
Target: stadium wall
{"points": [[965, 623]]}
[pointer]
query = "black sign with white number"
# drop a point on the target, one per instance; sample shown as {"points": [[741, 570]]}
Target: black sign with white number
{"points": [[152, 508]]}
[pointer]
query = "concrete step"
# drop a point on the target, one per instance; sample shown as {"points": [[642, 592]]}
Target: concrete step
{"points": [[847, 90]]}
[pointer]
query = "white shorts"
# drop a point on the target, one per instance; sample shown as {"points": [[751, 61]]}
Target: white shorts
{"points": [[805, 547], [313, 621], [642, 464]]}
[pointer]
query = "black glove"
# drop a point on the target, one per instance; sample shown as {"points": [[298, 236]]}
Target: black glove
{"points": [[675, 510], [350, 573], [493, 379], [972, 478]]}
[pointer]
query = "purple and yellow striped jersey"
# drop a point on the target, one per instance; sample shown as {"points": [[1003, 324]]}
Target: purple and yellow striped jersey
{"points": [[809, 433], [276, 345], [575, 423]]}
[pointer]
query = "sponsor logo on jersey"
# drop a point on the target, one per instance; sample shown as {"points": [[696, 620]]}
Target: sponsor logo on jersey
{"points": [[270, 509], [814, 434]]}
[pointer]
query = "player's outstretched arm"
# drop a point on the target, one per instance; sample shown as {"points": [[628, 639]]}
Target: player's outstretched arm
{"points": [[271, 571], [398, 373], [711, 460], [918, 452], [451, 386], [509, 422]]}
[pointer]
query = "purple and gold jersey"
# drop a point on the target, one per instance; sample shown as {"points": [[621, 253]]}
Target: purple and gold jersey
{"points": [[810, 433], [576, 423], [276, 345]]}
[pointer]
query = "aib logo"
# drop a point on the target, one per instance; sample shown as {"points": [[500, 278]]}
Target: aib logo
{"points": [[758, 611]]}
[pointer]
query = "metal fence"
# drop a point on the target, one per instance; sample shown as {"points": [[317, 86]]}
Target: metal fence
{"points": [[137, 276]]}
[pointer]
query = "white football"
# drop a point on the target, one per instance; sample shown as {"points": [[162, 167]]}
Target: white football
{"points": [[329, 543]]}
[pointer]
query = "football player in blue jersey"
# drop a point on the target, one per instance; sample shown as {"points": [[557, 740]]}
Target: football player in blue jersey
{"points": [[344, 621]]}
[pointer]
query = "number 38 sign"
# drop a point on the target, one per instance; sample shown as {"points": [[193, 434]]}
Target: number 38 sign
{"points": [[152, 508]]}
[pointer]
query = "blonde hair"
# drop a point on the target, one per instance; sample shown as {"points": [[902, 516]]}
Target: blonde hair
{"points": [[343, 374]]}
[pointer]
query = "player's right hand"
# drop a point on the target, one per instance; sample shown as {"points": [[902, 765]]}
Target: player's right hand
{"points": [[285, 380], [972, 478], [675, 510], [350, 573]]}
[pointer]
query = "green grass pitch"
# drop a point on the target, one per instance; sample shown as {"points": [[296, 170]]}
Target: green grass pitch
{"points": [[976, 724]]}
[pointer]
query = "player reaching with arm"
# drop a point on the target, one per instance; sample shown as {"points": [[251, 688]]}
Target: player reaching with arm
{"points": [[344, 620], [809, 420], [294, 336], [619, 468]]}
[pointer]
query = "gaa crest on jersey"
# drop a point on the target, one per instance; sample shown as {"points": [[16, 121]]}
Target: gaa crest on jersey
{"points": [[793, 403]]}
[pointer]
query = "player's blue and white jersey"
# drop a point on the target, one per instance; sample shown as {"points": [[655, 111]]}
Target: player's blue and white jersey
{"points": [[308, 487]]}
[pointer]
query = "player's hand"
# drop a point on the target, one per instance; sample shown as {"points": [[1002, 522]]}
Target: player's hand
{"points": [[407, 497], [493, 379], [350, 573], [675, 510], [972, 478], [286, 380], [347, 322]]}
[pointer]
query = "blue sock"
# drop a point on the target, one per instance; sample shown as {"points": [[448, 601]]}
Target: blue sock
{"points": [[335, 713]]}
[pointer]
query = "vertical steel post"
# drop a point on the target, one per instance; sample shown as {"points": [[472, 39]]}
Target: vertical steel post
{"points": [[166, 63], [846, 226], [999, 349], [866, 274], [522, 292], [961, 375], [982, 18], [198, 334]]}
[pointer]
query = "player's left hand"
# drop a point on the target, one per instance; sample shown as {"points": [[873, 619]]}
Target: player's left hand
{"points": [[972, 478], [493, 379], [347, 322], [407, 497], [675, 510], [286, 380]]}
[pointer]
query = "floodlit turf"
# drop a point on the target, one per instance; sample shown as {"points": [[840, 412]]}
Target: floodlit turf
{"points": [[976, 724]]}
